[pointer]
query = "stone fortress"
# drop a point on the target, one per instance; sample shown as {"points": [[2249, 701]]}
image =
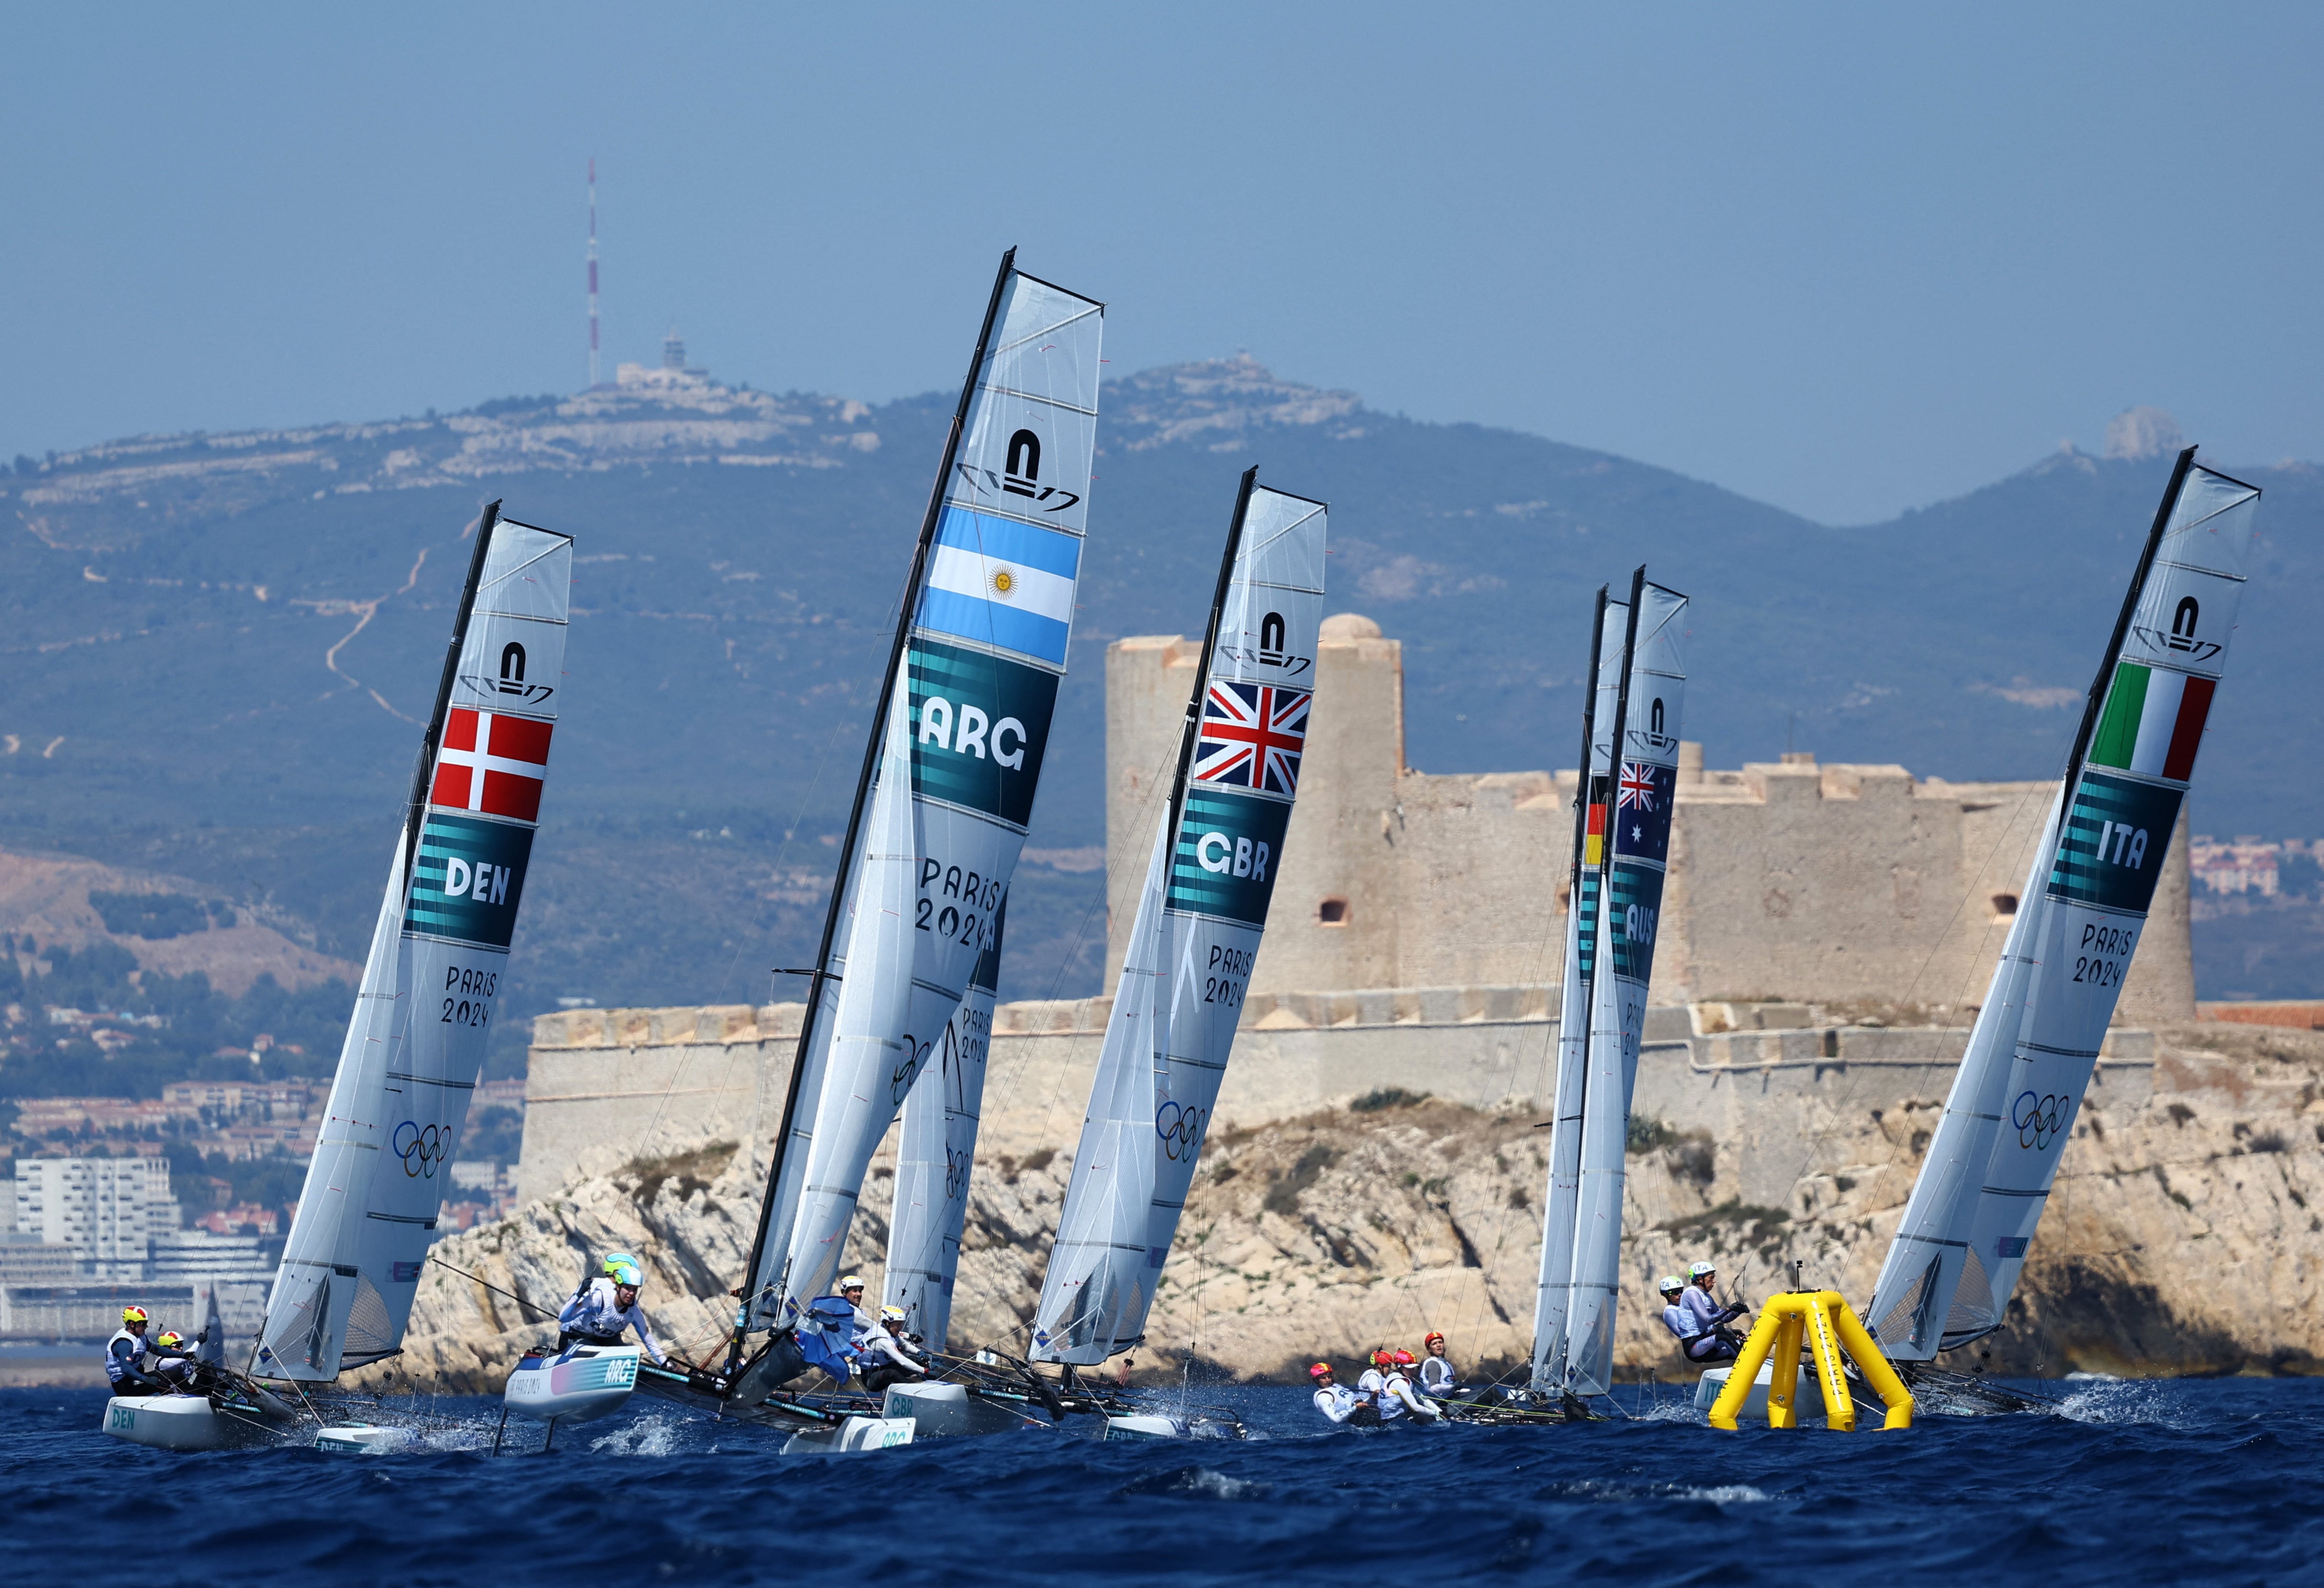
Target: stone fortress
{"points": [[1415, 938], [1373, 1167]]}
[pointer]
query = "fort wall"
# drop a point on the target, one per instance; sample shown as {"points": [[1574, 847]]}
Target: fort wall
{"points": [[1788, 881]]}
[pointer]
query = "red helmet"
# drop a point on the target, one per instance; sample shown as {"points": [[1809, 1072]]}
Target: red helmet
{"points": [[1403, 1359], [1434, 1339], [1382, 1358], [1321, 1369]]}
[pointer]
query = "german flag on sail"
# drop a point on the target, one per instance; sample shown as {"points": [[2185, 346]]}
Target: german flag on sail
{"points": [[2153, 722], [1593, 838]]}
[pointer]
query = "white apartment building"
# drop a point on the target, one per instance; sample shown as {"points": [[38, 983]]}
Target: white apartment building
{"points": [[106, 1209]]}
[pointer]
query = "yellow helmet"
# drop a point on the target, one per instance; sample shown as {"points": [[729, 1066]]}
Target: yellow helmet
{"points": [[133, 1315], [170, 1339]]}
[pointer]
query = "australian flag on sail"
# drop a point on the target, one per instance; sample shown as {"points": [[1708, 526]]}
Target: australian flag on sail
{"points": [[1252, 737], [1642, 810]]}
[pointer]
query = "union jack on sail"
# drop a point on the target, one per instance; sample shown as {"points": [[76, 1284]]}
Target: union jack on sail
{"points": [[1252, 737], [1637, 786]]}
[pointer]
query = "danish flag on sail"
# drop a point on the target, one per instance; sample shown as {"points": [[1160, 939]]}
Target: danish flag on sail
{"points": [[1253, 735], [492, 763]]}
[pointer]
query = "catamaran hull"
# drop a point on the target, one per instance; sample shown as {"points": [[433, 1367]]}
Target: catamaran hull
{"points": [[188, 1421], [854, 1433], [948, 1411], [576, 1386]]}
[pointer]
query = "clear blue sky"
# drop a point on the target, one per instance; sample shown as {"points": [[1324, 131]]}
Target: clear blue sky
{"points": [[1847, 259]]}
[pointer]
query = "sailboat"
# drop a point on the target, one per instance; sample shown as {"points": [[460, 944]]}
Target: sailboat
{"points": [[1622, 807], [935, 1153], [1218, 848], [1957, 1256], [946, 788], [415, 1044]]}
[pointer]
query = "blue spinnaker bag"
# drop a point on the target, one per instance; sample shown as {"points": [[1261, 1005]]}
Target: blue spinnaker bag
{"points": [[824, 1335]]}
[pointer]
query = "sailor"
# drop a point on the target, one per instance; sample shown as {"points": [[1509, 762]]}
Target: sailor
{"points": [[1397, 1397], [604, 1307], [173, 1359], [1693, 1314], [124, 1357], [1676, 1318], [852, 1289], [1702, 1299], [887, 1355], [1436, 1374], [1339, 1403], [1373, 1380]]}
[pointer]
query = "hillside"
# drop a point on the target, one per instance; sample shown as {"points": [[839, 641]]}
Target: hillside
{"points": [[219, 646]]}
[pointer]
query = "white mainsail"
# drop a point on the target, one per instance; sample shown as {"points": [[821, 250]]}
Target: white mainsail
{"points": [[1643, 762], [432, 982], [1958, 1252], [962, 739], [935, 1150], [1553, 1291], [1194, 939]]}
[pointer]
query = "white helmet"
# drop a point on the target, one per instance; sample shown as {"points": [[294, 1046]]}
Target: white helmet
{"points": [[891, 1314]]}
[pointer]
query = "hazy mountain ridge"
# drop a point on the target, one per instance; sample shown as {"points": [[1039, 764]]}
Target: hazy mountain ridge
{"points": [[218, 645]]}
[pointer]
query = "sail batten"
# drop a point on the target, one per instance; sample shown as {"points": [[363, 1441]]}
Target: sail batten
{"points": [[1993, 1156], [433, 976], [1193, 941]]}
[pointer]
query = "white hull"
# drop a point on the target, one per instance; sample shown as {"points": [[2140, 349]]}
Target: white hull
{"points": [[1807, 1399], [1144, 1425], [854, 1433], [185, 1422], [947, 1411], [576, 1386], [361, 1439]]}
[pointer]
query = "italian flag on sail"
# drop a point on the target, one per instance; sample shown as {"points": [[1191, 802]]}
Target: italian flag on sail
{"points": [[2153, 722]]}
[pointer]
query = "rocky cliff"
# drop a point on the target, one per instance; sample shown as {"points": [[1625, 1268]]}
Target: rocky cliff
{"points": [[2186, 1234]]}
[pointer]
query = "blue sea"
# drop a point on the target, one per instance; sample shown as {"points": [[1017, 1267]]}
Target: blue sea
{"points": [[2174, 1481]]}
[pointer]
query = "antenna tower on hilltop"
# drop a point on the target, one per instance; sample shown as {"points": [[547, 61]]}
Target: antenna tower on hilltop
{"points": [[593, 271]]}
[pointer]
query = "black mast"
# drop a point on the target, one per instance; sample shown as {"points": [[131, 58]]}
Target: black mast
{"points": [[1189, 732], [2096, 700], [842, 876], [417, 808]]}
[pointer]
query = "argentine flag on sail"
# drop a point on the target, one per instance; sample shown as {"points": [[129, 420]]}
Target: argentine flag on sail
{"points": [[1000, 582]]}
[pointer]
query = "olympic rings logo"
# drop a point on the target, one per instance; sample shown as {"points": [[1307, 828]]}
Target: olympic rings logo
{"points": [[2038, 1119], [1181, 1130], [423, 1150], [900, 1078]]}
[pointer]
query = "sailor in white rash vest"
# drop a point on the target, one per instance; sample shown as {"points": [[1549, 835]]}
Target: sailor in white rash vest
{"points": [[602, 1308], [1398, 1398], [1337, 1402], [1373, 1381], [1436, 1374], [124, 1357], [885, 1357]]}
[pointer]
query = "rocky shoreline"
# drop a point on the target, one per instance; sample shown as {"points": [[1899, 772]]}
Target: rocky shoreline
{"points": [[2186, 1235]]}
